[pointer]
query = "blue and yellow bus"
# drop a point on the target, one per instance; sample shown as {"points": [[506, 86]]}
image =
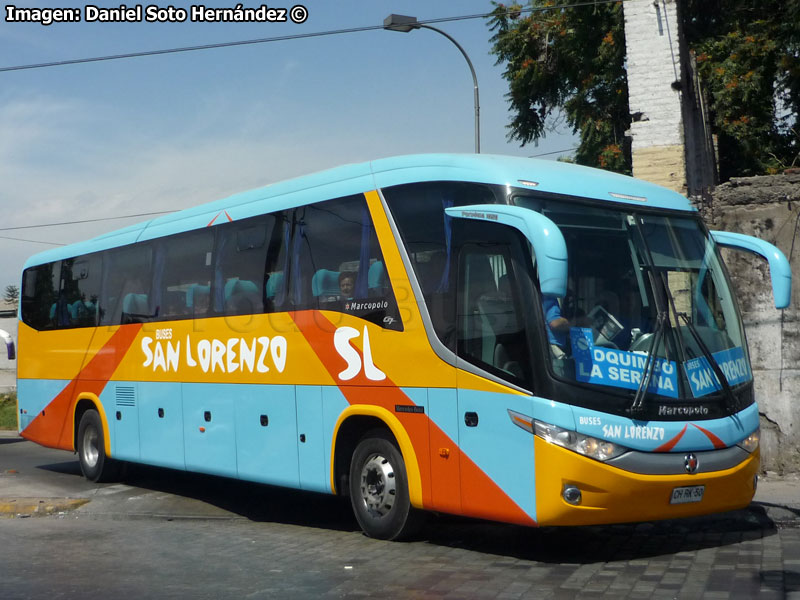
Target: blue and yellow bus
{"points": [[503, 338]]}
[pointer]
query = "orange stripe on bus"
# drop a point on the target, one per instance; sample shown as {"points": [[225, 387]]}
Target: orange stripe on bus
{"points": [[495, 504], [718, 443], [667, 446], [53, 427]]}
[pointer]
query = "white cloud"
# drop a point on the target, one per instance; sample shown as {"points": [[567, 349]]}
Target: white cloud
{"points": [[113, 170]]}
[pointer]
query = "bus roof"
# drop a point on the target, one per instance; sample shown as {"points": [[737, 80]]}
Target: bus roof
{"points": [[541, 175]]}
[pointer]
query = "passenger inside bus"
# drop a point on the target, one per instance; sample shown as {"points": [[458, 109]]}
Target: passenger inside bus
{"points": [[347, 284], [557, 326]]}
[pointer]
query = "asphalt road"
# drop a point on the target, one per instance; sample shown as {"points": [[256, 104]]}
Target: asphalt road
{"points": [[166, 534]]}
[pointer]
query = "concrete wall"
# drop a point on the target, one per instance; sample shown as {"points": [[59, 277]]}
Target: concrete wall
{"points": [[653, 46], [769, 208]]}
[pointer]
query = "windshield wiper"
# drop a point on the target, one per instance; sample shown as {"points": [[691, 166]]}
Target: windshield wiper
{"points": [[662, 317], [650, 364], [712, 362], [733, 403]]}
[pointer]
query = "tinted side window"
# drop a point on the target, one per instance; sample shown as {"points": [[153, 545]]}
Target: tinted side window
{"points": [[490, 318], [240, 263], [39, 296], [337, 262], [184, 273], [276, 280], [418, 211], [78, 302], [126, 289]]}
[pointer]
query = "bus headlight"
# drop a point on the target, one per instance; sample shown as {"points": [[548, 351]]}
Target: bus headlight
{"points": [[577, 442], [750, 443]]}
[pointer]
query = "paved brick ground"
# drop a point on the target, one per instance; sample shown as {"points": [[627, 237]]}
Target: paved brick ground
{"points": [[163, 534], [742, 555]]}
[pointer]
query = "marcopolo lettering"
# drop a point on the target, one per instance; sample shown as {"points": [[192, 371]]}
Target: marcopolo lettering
{"points": [[682, 411], [370, 305], [470, 214], [406, 408]]}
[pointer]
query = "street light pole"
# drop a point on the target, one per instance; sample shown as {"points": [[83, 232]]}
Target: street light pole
{"points": [[405, 24]]}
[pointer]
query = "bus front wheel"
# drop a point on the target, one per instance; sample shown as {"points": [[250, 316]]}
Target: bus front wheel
{"points": [[379, 489], [95, 465]]}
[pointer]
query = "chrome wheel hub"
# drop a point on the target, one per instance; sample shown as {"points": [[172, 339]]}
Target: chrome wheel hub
{"points": [[378, 489], [91, 447]]}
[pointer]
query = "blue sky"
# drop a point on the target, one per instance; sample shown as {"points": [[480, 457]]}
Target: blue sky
{"points": [[166, 132]]}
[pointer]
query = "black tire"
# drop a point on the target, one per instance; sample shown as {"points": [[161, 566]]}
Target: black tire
{"points": [[379, 489], [95, 465]]}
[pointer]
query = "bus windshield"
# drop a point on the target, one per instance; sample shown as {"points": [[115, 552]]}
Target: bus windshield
{"points": [[629, 270]]}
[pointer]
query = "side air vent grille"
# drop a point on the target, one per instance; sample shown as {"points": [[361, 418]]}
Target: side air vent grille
{"points": [[126, 395]]}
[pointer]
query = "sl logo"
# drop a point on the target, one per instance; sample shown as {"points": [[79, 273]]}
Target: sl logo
{"points": [[341, 341]]}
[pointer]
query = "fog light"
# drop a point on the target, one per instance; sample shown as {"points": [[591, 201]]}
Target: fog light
{"points": [[571, 494]]}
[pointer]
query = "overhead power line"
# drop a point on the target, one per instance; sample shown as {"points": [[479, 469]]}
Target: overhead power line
{"points": [[5, 237], [147, 214], [544, 153], [284, 38], [39, 226]]}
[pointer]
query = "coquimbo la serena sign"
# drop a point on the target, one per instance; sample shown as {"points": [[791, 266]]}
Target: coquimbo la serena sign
{"points": [[523, 341]]}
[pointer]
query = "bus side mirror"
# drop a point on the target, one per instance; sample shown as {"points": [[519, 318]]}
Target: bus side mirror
{"points": [[544, 235], [779, 268]]}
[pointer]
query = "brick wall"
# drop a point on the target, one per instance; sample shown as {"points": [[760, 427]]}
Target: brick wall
{"points": [[664, 165], [653, 64]]}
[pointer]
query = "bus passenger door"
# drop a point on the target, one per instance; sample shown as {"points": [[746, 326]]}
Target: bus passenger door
{"points": [[497, 458]]}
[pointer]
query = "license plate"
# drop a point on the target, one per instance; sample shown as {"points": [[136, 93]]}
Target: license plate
{"points": [[692, 493]]}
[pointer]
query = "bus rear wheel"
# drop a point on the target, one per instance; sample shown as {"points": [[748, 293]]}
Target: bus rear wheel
{"points": [[95, 465], [379, 489]]}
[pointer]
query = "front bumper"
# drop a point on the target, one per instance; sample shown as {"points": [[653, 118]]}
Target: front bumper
{"points": [[612, 495]]}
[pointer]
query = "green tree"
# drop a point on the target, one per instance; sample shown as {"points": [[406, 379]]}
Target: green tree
{"points": [[11, 294], [748, 56], [573, 60], [567, 61]]}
